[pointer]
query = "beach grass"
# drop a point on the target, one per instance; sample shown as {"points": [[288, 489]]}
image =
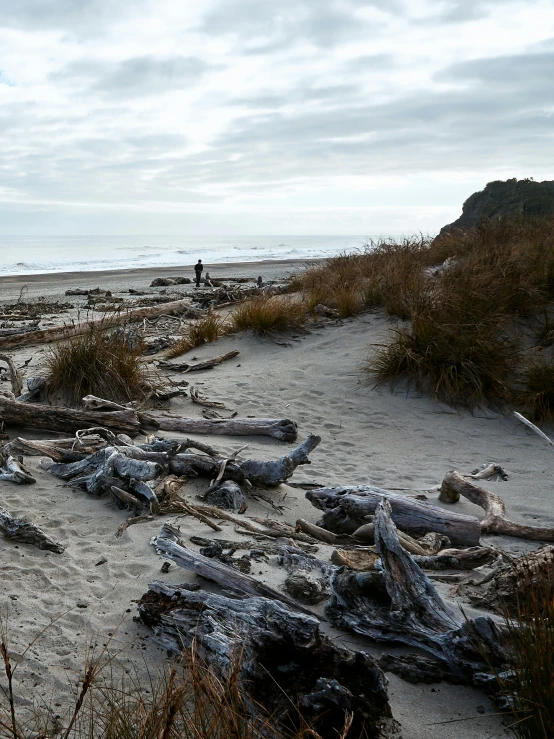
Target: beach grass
{"points": [[269, 314], [203, 331], [98, 362]]}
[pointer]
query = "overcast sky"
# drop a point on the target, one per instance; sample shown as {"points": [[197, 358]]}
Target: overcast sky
{"points": [[267, 116]]}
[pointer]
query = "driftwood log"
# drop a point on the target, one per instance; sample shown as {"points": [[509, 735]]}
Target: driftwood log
{"points": [[346, 509], [365, 559], [400, 605], [59, 450], [286, 664], [495, 521], [283, 429], [26, 532], [302, 582], [12, 471], [36, 416], [57, 333], [198, 366]]}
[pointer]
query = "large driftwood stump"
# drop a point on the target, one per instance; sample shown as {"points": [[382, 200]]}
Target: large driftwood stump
{"points": [[401, 605], [26, 532], [284, 659], [495, 521], [346, 509]]}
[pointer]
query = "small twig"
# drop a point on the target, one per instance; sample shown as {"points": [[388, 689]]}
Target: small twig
{"points": [[534, 428]]}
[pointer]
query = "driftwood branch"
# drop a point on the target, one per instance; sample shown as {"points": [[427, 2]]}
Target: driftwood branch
{"points": [[495, 521], [12, 471], [282, 429], [198, 366], [15, 376], [28, 533]]}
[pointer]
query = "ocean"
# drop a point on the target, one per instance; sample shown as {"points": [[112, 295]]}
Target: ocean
{"points": [[23, 255]]}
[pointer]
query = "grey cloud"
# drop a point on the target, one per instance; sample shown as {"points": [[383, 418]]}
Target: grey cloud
{"points": [[282, 24], [85, 16], [523, 71], [137, 76], [456, 11]]}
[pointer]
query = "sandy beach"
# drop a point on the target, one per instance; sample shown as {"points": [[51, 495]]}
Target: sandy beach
{"points": [[400, 440]]}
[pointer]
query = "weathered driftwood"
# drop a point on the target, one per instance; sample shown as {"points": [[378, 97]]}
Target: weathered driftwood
{"points": [[28, 533], [365, 559], [14, 412], [346, 509], [273, 473], [12, 471], [58, 333], [15, 376], [429, 544], [36, 390], [534, 428], [302, 583], [283, 429], [400, 605], [512, 584], [227, 495], [495, 521], [59, 450], [226, 577], [198, 366], [285, 661]]}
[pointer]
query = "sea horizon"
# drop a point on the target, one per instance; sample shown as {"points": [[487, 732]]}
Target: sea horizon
{"points": [[27, 255]]}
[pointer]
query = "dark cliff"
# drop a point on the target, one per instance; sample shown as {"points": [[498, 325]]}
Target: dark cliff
{"points": [[513, 198]]}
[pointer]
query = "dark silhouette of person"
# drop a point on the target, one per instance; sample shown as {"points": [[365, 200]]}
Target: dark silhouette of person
{"points": [[198, 267], [259, 281]]}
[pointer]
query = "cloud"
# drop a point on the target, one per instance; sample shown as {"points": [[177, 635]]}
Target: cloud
{"points": [[137, 76]]}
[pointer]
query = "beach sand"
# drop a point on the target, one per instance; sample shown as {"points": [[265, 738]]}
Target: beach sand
{"points": [[399, 440]]}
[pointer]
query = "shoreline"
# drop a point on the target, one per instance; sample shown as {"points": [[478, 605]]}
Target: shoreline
{"points": [[119, 280], [58, 276]]}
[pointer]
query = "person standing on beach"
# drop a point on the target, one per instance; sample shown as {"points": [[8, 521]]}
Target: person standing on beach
{"points": [[198, 267]]}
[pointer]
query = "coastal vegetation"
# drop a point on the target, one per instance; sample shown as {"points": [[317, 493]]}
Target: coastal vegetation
{"points": [[202, 331], [98, 362], [477, 307]]}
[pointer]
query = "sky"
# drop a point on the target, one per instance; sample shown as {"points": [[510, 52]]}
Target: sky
{"points": [[267, 116]]}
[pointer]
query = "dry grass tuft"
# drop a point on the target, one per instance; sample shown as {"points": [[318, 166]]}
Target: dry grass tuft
{"points": [[463, 366], [266, 315], [205, 330], [529, 689], [537, 395], [98, 362], [187, 701]]}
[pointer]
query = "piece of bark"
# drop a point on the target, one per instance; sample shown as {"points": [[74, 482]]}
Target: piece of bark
{"points": [[227, 495], [15, 375], [418, 668], [58, 333], [400, 605], [283, 429], [195, 397], [362, 559], [302, 582], [12, 471], [495, 521], [345, 509], [28, 533], [55, 418], [198, 366], [286, 664]]}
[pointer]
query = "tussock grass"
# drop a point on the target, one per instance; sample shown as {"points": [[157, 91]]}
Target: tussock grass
{"points": [[461, 365], [530, 688], [205, 330], [266, 315], [99, 362], [537, 394]]}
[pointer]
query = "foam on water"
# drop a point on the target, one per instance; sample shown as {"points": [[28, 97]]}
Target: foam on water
{"points": [[35, 255]]}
